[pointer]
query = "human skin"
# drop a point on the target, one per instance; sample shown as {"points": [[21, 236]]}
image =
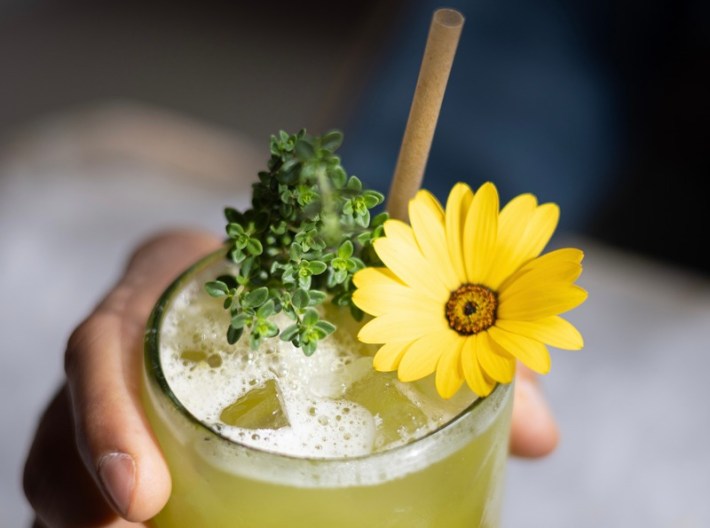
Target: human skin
{"points": [[94, 461]]}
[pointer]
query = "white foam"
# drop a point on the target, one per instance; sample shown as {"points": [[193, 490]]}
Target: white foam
{"points": [[321, 423]]}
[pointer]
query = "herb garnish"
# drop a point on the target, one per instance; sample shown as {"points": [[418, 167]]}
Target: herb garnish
{"points": [[309, 229]]}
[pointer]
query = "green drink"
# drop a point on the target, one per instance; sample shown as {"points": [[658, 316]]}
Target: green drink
{"points": [[272, 438], [274, 407]]}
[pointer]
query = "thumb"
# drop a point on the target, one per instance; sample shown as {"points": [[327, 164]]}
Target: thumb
{"points": [[103, 365]]}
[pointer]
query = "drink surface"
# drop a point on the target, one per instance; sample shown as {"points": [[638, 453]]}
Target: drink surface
{"points": [[332, 404], [360, 472]]}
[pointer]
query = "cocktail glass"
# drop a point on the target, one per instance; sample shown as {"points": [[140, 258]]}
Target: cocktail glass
{"points": [[451, 477]]}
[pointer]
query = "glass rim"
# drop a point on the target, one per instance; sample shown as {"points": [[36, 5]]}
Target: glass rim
{"points": [[154, 372]]}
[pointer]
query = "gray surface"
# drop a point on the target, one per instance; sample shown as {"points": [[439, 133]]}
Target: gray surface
{"points": [[76, 195], [631, 406]]}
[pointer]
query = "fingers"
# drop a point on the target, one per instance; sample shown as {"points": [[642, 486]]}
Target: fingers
{"points": [[534, 432], [57, 485], [103, 365], [55, 475]]}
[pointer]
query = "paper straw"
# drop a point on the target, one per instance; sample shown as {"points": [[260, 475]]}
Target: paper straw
{"points": [[442, 41]]}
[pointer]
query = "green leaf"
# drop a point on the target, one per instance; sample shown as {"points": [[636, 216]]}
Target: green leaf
{"points": [[339, 276], [237, 255], [338, 176], [310, 317], [234, 230], [354, 184], [295, 252], [304, 150], [266, 309], [326, 327], [363, 218], [379, 219], [245, 269], [373, 198], [229, 280], [254, 247], [332, 140], [355, 264], [270, 330], [345, 250], [316, 267], [240, 320], [289, 332], [316, 297], [216, 288], [256, 297], [233, 334], [232, 215], [254, 340], [300, 299], [363, 238], [309, 348]]}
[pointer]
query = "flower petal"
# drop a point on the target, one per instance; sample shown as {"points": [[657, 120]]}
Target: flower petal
{"points": [[457, 207], [512, 223], [553, 331], [496, 362], [379, 301], [400, 253], [401, 326], [480, 233], [530, 352], [389, 355], [539, 302], [475, 377], [449, 375], [562, 266], [379, 277], [421, 357], [427, 220], [539, 229]]}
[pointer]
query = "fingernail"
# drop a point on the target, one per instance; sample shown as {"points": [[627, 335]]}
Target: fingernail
{"points": [[117, 472]]}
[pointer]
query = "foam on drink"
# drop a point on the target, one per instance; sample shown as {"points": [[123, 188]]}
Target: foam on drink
{"points": [[329, 405]]}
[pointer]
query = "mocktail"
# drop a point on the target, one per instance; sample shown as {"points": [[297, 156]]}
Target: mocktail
{"points": [[272, 438]]}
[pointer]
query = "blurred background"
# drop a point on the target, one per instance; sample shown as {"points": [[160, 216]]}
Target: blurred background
{"points": [[120, 118]]}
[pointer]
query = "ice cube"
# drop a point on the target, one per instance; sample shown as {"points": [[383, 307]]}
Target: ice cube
{"points": [[260, 408], [398, 418]]}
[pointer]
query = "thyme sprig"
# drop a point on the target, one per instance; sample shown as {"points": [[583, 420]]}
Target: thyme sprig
{"points": [[309, 229]]}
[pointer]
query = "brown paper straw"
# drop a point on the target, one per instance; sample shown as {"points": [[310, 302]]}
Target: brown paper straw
{"points": [[442, 41]]}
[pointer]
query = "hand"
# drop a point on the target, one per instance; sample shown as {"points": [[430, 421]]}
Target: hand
{"points": [[94, 461]]}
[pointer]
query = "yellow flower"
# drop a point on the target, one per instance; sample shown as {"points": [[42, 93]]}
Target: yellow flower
{"points": [[466, 292]]}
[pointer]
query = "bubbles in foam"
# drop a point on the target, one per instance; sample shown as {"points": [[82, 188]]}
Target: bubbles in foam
{"points": [[321, 423]]}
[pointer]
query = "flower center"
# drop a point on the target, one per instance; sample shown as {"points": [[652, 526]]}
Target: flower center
{"points": [[471, 309]]}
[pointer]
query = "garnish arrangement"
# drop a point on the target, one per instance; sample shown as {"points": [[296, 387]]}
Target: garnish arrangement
{"points": [[463, 292], [309, 229]]}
